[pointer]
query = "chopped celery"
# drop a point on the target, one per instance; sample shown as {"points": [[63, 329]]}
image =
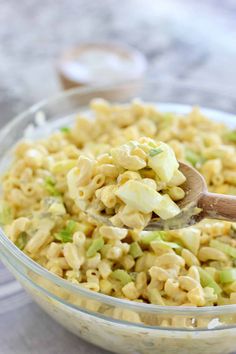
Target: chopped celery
{"points": [[71, 225], [155, 151], [122, 276], [95, 246], [224, 247], [50, 187], [21, 240], [135, 250], [5, 214], [207, 281], [227, 275], [230, 136], [50, 180], [148, 236], [66, 235], [192, 157], [65, 130]]}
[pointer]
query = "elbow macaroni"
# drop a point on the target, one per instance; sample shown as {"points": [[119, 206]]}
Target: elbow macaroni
{"points": [[121, 191], [52, 181]]}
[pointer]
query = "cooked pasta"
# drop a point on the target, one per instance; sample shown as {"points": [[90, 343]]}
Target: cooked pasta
{"points": [[100, 163], [120, 192]]}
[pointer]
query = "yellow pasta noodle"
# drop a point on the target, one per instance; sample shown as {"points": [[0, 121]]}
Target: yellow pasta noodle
{"points": [[124, 163]]}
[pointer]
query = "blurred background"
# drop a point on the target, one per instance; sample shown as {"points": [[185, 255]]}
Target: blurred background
{"points": [[188, 40], [182, 39]]}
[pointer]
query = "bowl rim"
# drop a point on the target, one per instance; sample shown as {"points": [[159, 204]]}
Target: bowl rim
{"points": [[37, 268], [127, 324]]}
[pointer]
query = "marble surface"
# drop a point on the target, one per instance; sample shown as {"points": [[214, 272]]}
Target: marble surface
{"points": [[183, 39]]}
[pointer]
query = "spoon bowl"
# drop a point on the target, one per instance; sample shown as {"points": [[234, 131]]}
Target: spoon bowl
{"points": [[197, 204], [194, 187]]}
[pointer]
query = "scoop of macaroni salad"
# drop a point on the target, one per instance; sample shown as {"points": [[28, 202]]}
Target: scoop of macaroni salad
{"points": [[126, 183], [125, 154]]}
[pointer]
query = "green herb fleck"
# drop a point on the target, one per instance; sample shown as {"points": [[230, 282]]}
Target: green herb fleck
{"points": [[66, 235], [155, 151], [65, 130], [50, 187]]}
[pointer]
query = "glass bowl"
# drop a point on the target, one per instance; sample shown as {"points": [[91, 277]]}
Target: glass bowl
{"points": [[114, 324]]}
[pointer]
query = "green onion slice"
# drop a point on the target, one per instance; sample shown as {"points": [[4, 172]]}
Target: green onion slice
{"points": [[155, 151]]}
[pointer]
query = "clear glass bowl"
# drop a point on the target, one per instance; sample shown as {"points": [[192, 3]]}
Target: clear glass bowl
{"points": [[118, 325]]}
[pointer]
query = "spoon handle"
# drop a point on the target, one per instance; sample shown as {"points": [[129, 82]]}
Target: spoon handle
{"points": [[218, 206]]}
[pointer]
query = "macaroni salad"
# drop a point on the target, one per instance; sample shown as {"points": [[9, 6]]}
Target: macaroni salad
{"points": [[102, 161], [125, 184]]}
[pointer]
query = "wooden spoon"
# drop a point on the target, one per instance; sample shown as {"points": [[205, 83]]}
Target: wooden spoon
{"points": [[197, 204]]}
